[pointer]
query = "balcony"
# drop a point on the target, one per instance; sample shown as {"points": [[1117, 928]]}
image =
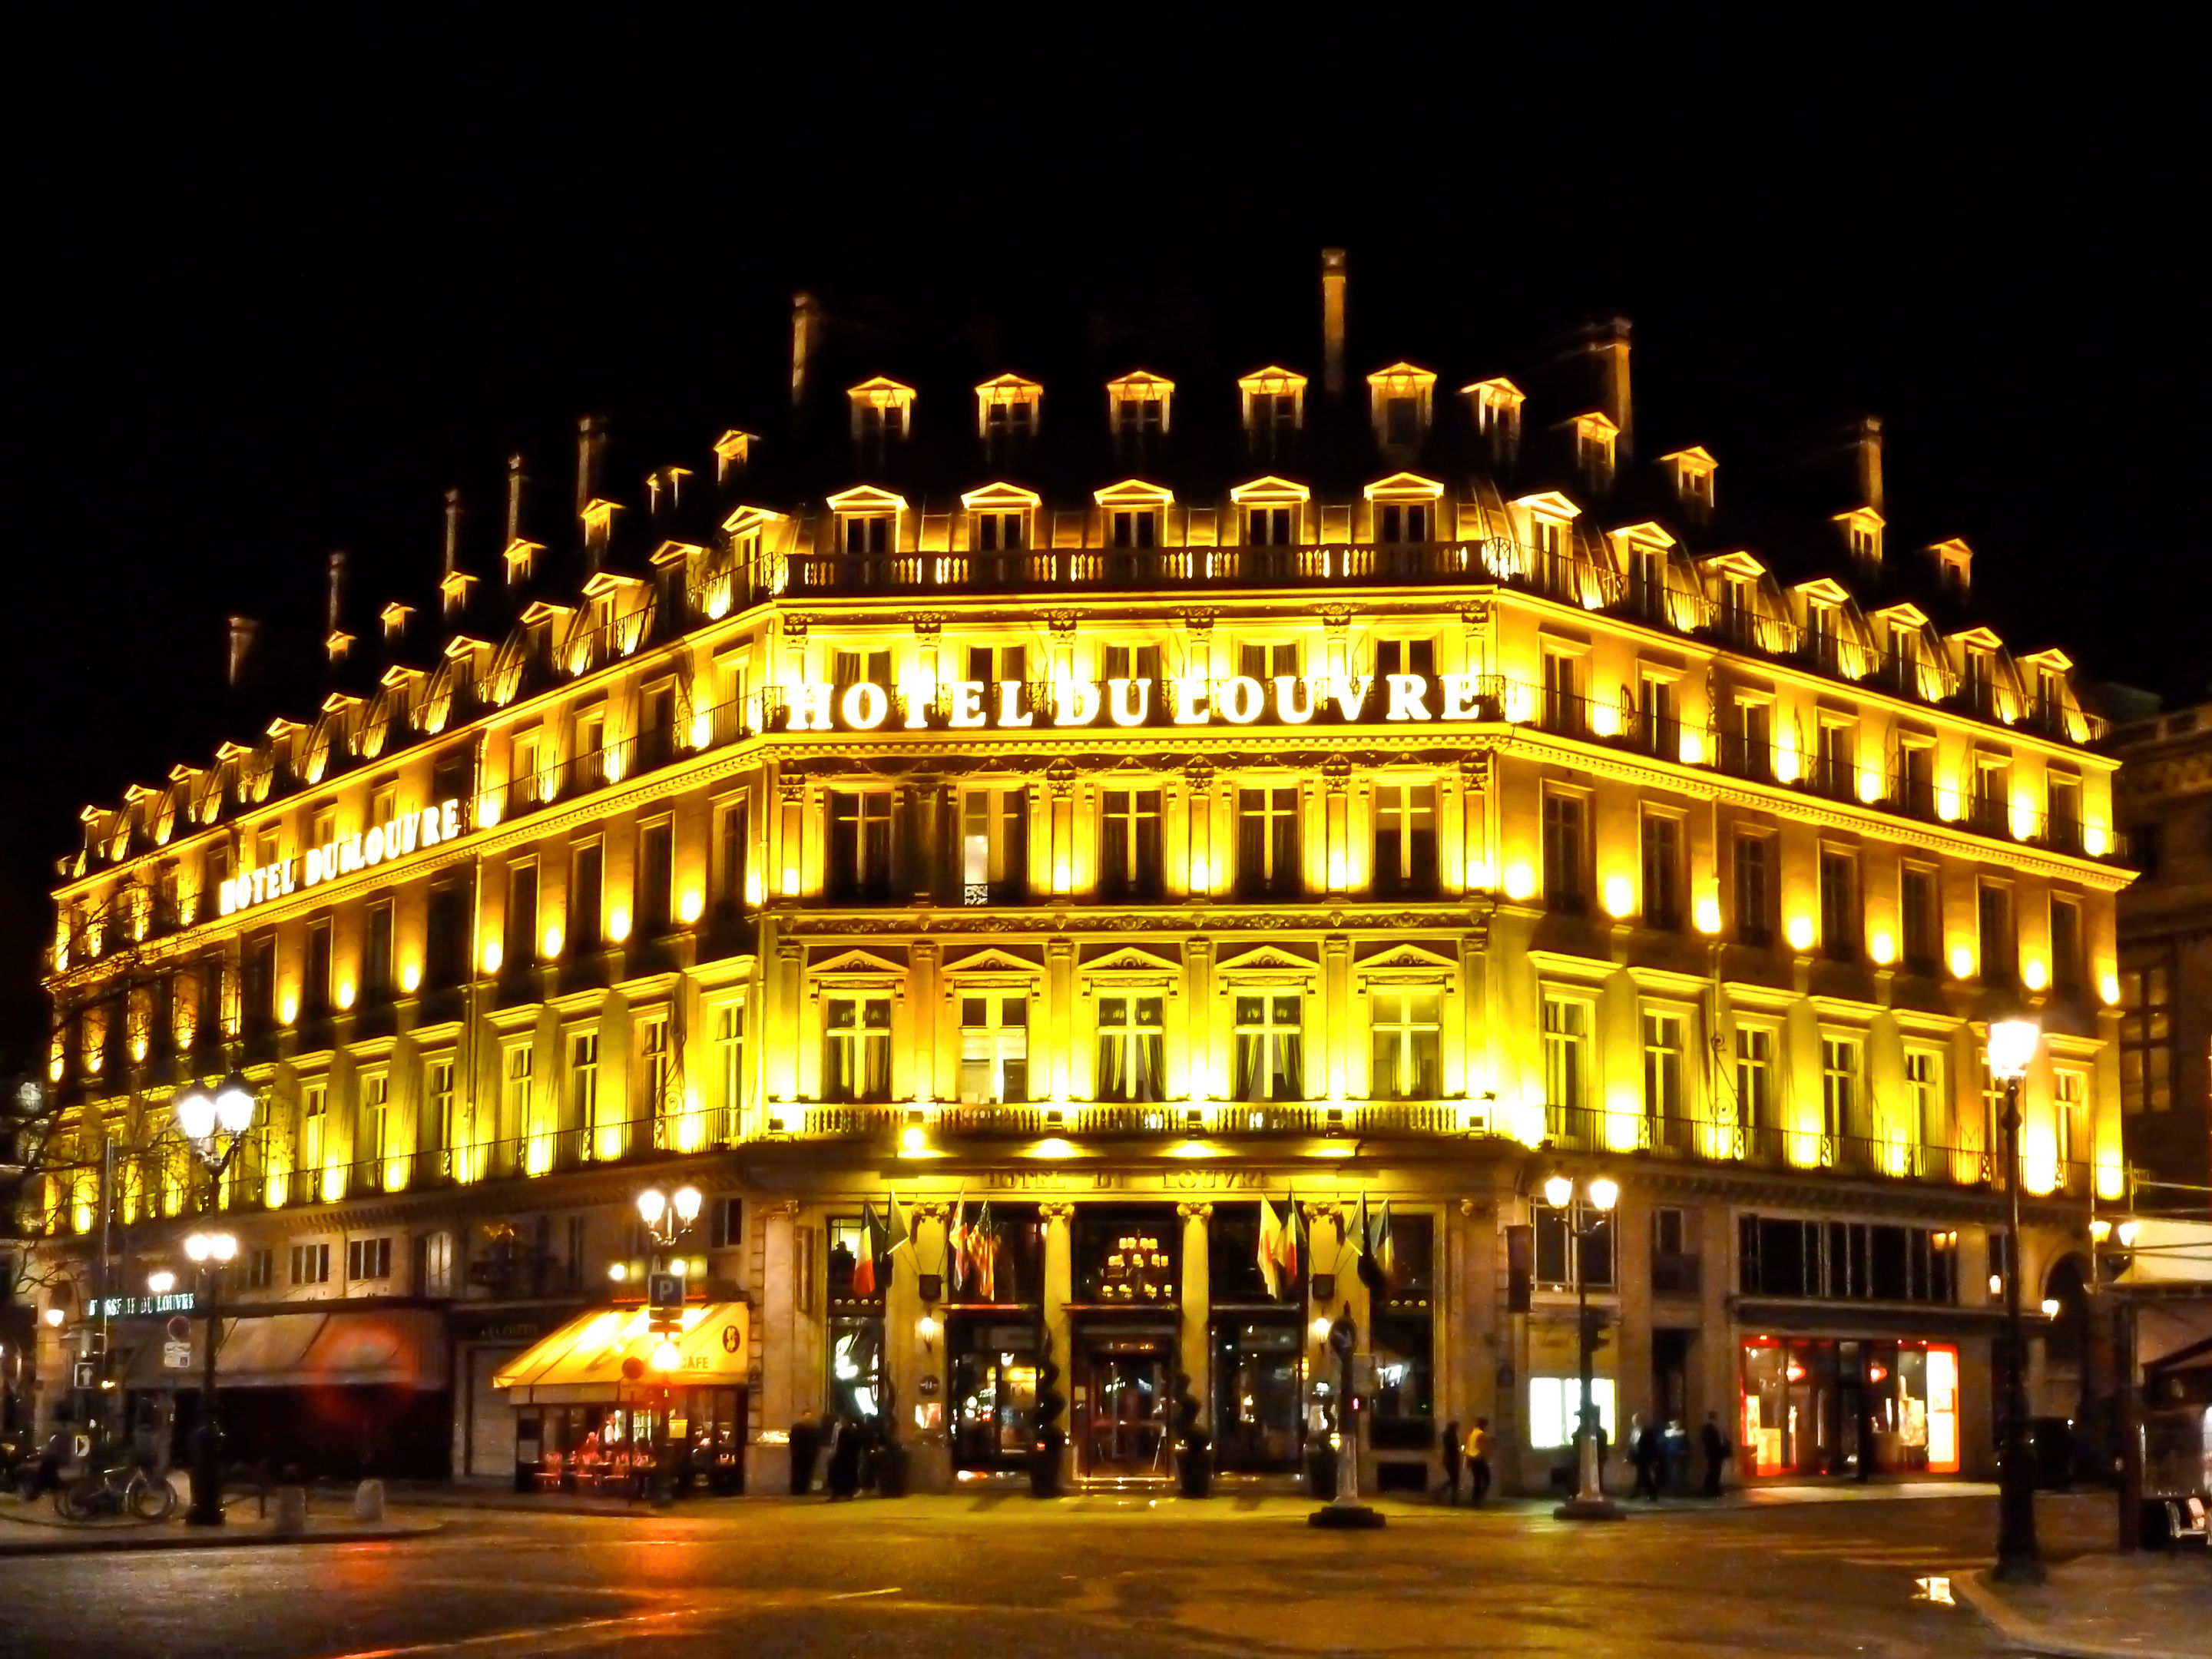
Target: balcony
{"points": [[1674, 1274]]}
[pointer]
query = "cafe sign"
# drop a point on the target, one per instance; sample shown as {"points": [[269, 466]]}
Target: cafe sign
{"points": [[404, 834]]}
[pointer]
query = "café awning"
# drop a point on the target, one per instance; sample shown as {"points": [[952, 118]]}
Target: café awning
{"points": [[398, 1346], [582, 1362]]}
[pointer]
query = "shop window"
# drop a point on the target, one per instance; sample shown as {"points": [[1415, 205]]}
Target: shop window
{"points": [[1555, 1409], [1131, 1036], [857, 1037], [993, 1393], [1129, 858], [1406, 1032], [995, 1048], [1270, 1047]]}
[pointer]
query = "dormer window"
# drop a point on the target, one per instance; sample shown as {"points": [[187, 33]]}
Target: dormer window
{"points": [[1954, 566], [1692, 471], [521, 560], [867, 519], [1274, 408], [1001, 517], [1271, 509], [394, 617], [1138, 409], [883, 413], [1007, 412], [1863, 527], [1594, 441], [1400, 403], [1137, 526], [1497, 406], [733, 453]]}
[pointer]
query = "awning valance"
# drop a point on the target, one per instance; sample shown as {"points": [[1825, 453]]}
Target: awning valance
{"points": [[402, 1346], [583, 1360]]}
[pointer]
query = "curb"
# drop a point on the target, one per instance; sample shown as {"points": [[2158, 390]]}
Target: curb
{"points": [[1973, 1588], [147, 1543]]}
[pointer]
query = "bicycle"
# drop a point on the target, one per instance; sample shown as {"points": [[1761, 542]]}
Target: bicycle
{"points": [[123, 1490]]}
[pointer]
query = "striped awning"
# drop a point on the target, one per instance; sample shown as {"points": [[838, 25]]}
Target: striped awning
{"points": [[582, 1361]]}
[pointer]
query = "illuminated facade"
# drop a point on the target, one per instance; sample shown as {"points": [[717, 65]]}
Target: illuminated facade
{"points": [[1123, 802]]}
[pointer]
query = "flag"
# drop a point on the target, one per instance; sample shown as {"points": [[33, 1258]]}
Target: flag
{"points": [[956, 1240], [1363, 1245], [983, 1249], [901, 1237], [864, 1259], [1286, 1243], [1384, 1248], [1269, 1254]]}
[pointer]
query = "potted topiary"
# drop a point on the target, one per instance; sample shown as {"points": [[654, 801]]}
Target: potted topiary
{"points": [[1044, 1451], [1194, 1445], [890, 1453]]}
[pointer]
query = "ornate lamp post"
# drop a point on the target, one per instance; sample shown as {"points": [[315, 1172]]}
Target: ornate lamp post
{"points": [[2012, 1047], [1589, 1502], [214, 1125], [667, 1217]]}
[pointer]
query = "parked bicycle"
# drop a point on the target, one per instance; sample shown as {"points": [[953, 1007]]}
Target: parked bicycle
{"points": [[125, 1489]]}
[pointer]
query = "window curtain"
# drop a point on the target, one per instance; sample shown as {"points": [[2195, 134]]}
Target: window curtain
{"points": [[1113, 1081]]}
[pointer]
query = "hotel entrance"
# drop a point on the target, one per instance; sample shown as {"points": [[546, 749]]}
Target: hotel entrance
{"points": [[1124, 1403]]}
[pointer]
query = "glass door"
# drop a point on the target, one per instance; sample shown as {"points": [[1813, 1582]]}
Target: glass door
{"points": [[1256, 1392], [1121, 1414]]}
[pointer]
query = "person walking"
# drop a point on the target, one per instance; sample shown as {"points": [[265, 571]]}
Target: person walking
{"points": [[1647, 1452], [1478, 1460], [845, 1460], [1451, 1460], [1717, 1452], [1676, 1444]]}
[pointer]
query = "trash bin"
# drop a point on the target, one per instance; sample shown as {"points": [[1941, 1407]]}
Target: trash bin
{"points": [[2053, 1460]]}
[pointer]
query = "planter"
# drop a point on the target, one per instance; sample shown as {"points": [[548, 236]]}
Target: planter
{"points": [[1044, 1469], [891, 1470], [1320, 1472], [1194, 1471]]}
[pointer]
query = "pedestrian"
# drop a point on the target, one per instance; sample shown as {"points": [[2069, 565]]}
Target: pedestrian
{"points": [[1478, 1460], [805, 1447], [1451, 1460], [1646, 1453], [1716, 1451], [845, 1460], [1677, 1447]]}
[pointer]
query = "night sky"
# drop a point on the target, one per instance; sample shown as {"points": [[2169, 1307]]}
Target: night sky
{"points": [[276, 292]]}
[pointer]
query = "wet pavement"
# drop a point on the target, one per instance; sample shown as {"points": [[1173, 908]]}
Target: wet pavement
{"points": [[1101, 1577]]}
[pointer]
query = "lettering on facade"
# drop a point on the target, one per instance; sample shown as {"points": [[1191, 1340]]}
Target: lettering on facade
{"points": [[1054, 1181], [1214, 1180], [132, 1307], [406, 834]]}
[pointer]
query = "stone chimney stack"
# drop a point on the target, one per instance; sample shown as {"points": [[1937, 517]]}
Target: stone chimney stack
{"points": [[334, 640], [805, 334], [451, 560], [514, 482], [1866, 444], [1332, 322], [591, 455], [239, 634], [1603, 346]]}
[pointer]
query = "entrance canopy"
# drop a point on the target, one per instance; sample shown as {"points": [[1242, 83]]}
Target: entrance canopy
{"points": [[582, 1362], [402, 1346]]}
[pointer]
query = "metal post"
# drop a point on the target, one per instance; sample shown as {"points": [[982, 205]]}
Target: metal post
{"points": [[2019, 1559], [1589, 1502], [207, 1460]]}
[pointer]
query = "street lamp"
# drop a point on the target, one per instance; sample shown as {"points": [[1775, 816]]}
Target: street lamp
{"points": [[160, 1282], [1589, 1502], [667, 1217], [214, 1123], [2012, 1047]]}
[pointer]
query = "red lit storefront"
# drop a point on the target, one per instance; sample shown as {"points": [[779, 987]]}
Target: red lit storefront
{"points": [[1856, 1407]]}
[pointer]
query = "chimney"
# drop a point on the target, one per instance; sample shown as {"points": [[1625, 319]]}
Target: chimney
{"points": [[805, 330], [1866, 445], [1332, 322], [513, 500], [591, 452], [1603, 344], [451, 561], [238, 633], [334, 640]]}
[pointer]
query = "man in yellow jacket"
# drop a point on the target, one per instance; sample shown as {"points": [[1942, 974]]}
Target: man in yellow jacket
{"points": [[1478, 1459]]}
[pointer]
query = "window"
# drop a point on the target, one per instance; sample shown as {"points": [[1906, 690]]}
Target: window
{"points": [[1992, 799], [1270, 527], [730, 1066], [584, 1092], [657, 1072], [1001, 532], [1565, 852], [1416, 656], [993, 844], [314, 1125], [1660, 727], [732, 829], [1401, 521], [374, 1137], [315, 990], [445, 936], [1555, 1409], [857, 1063], [2146, 1037], [1130, 1032], [1758, 1109], [849, 668], [1405, 1033], [260, 1268], [1834, 770], [2000, 954], [438, 1086], [1844, 1261], [530, 768], [1267, 842], [2069, 1111], [1662, 871], [2142, 842], [1136, 527], [2065, 945], [1839, 904], [1563, 698], [860, 845], [437, 1259], [1274, 417], [1270, 1051], [1129, 861], [1567, 1070], [1665, 1119], [1564, 1238], [1924, 1090], [2065, 825], [515, 1106], [1266, 662], [1750, 738], [587, 900], [992, 665], [866, 533], [311, 1264], [1755, 890], [1401, 420], [368, 1258], [656, 877], [1920, 913], [376, 978], [1405, 838], [259, 1013], [995, 1048], [1841, 1095], [521, 943], [1132, 662]]}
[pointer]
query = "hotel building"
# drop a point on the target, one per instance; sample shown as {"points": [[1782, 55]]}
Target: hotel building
{"points": [[1124, 793]]}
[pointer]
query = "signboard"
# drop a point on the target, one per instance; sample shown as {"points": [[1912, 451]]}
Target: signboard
{"points": [[137, 1307], [387, 841], [176, 1356], [180, 1329], [664, 1293]]}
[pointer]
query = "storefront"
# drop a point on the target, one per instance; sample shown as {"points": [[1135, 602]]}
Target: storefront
{"points": [[1839, 1405], [592, 1415], [992, 1315]]}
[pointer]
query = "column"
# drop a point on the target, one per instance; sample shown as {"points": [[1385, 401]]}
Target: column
{"points": [[774, 1344], [1059, 1031], [929, 1459], [925, 1026], [1195, 1344], [1059, 1286], [1199, 1084], [1338, 1037]]}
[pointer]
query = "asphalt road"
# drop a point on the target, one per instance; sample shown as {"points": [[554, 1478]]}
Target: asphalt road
{"points": [[1100, 1577]]}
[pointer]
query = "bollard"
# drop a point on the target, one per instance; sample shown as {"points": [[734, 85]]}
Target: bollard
{"points": [[369, 1501], [291, 1508]]}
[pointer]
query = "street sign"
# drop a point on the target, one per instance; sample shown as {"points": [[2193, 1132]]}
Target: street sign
{"points": [[176, 1356], [84, 1374], [180, 1329], [664, 1291]]}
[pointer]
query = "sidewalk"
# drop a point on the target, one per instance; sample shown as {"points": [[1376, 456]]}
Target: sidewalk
{"points": [[37, 1530], [2102, 1607]]}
